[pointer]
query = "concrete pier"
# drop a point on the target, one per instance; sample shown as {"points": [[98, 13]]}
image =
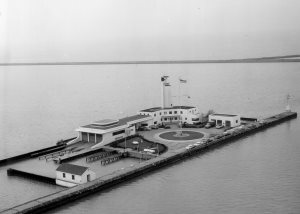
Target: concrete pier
{"points": [[16, 172], [36, 153], [51, 201]]}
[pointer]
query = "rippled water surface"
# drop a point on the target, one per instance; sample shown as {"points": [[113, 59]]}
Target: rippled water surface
{"points": [[257, 174]]}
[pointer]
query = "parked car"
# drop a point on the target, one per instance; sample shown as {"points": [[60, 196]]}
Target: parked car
{"points": [[210, 124], [219, 126], [204, 139], [226, 133], [151, 151], [190, 146], [198, 143], [154, 127], [143, 128], [186, 125]]}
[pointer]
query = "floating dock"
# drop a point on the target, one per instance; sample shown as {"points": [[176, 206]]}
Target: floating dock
{"points": [[51, 201]]}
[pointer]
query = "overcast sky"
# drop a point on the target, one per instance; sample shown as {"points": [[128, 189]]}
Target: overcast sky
{"points": [[105, 30]]}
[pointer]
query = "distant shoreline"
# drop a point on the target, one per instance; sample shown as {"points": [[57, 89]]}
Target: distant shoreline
{"points": [[289, 58]]}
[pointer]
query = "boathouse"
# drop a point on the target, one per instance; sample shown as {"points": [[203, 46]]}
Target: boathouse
{"points": [[70, 175], [174, 114], [227, 120], [106, 131]]}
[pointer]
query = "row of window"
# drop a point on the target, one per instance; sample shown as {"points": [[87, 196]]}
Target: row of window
{"points": [[165, 113], [64, 176], [118, 132], [91, 137]]}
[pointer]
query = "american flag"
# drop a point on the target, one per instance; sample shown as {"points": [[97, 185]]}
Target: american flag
{"points": [[163, 78], [182, 81]]}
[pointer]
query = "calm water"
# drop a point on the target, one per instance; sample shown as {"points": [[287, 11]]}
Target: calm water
{"points": [[258, 174]]}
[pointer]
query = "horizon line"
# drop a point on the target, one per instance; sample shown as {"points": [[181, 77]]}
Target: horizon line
{"points": [[285, 58]]}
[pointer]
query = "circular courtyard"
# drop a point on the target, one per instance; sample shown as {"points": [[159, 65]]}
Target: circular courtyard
{"points": [[181, 135]]}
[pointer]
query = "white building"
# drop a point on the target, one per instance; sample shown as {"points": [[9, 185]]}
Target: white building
{"points": [[106, 131], [70, 175], [174, 114], [103, 132], [227, 120]]}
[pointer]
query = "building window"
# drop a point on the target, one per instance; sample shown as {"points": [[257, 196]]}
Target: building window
{"points": [[155, 122], [73, 177], [118, 132], [159, 113], [236, 121], [185, 118], [160, 119], [175, 118], [165, 112], [170, 112], [64, 175], [166, 119], [181, 112], [175, 112], [154, 115]]}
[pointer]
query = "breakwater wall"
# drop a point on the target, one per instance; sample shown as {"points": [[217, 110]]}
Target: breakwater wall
{"points": [[51, 201], [35, 153], [17, 158], [16, 172]]}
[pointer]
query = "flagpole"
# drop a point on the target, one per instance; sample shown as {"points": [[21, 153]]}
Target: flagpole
{"points": [[180, 122], [162, 93]]}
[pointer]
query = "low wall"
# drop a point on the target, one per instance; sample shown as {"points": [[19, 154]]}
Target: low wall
{"points": [[16, 172], [51, 201], [140, 155], [35, 153], [28, 155]]}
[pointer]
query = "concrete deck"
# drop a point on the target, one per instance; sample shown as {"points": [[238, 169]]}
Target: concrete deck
{"points": [[172, 155]]}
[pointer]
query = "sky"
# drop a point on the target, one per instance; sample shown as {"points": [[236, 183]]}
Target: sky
{"points": [[117, 30]]}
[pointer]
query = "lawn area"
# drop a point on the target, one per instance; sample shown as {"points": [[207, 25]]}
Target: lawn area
{"points": [[140, 145]]}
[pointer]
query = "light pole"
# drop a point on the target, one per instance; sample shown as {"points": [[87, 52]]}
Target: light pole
{"points": [[288, 108], [180, 122]]}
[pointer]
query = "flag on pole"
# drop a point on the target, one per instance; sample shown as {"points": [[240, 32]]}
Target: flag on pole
{"points": [[163, 78], [182, 81]]}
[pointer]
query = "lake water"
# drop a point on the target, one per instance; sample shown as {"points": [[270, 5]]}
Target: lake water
{"points": [[257, 174]]}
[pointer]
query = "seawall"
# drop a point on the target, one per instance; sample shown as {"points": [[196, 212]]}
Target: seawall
{"points": [[36, 153], [51, 201], [14, 172]]}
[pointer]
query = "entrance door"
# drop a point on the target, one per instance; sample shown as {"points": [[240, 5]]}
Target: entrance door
{"points": [[227, 123], [98, 138], [219, 122], [84, 136], [88, 177], [92, 138]]}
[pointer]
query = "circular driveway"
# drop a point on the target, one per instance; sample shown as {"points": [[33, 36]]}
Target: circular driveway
{"points": [[183, 136]]}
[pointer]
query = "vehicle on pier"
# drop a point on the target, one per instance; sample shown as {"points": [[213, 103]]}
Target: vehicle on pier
{"points": [[210, 125]]}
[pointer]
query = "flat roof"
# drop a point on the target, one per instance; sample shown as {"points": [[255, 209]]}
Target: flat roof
{"points": [[105, 122], [154, 109], [72, 169], [225, 115], [121, 122]]}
